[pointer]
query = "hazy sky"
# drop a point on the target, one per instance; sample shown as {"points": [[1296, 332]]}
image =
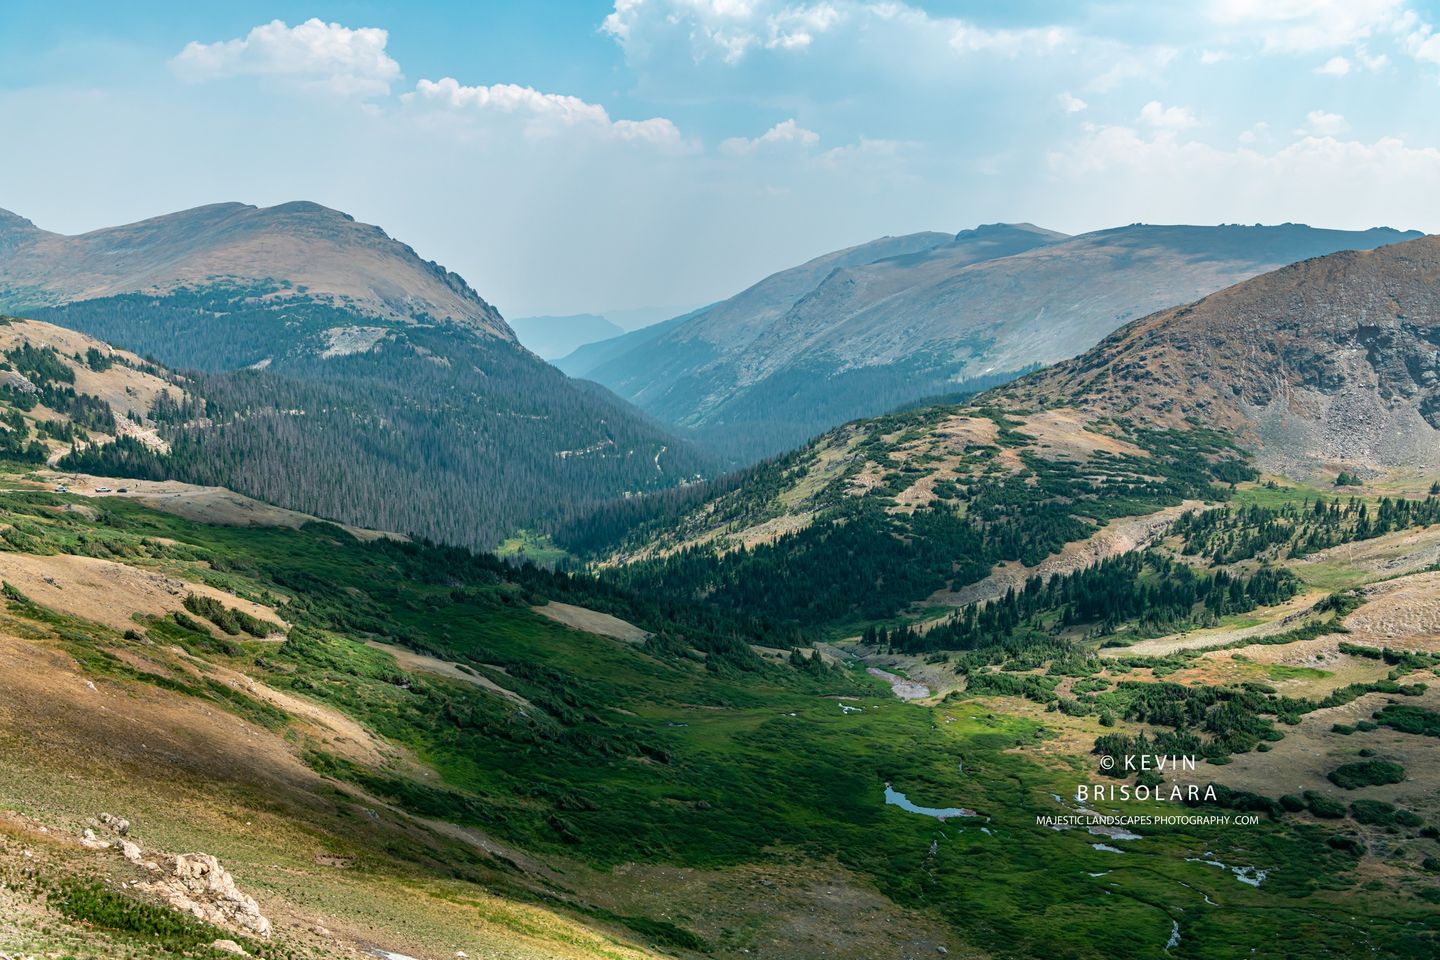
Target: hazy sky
{"points": [[577, 156]]}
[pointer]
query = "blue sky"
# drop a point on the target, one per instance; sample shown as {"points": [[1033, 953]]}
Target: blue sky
{"points": [[573, 156]]}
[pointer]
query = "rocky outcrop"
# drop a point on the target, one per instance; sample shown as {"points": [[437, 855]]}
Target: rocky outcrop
{"points": [[193, 883], [89, 841], [16, 381], [197, 884]]}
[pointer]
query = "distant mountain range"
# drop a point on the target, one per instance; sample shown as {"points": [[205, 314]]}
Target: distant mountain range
{"points": [[554, 337], [872, 327], [342, 374]]}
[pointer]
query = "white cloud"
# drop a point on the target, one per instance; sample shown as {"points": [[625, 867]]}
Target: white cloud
{"points": [[1423, 44], [796, 27], [354, 62], [731, 29], [1310, 25], [1320, 123], [1071, 103], [1377, 62], [1347, 183], [871, 155], [1255, 132], [1339, 66], [544, 114], [1212, 57], [1133, 65], [728, 28], [318, 54], [1161, 117], [968, 38], [784, 132]]}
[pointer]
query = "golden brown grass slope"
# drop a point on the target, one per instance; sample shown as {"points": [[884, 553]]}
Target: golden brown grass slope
{"points": [[339, 873]]}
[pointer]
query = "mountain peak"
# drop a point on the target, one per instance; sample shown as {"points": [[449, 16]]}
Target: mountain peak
{"points": [[326, 253]]}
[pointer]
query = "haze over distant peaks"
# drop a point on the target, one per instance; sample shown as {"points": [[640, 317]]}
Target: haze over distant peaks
{"points": [[552, 337]]}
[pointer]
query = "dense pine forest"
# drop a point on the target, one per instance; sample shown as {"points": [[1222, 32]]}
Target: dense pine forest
{"points": [[433, 431], [45, 380]]}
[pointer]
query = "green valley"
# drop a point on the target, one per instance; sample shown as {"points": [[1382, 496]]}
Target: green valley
{"points": [[581, 755], [504, 757]]}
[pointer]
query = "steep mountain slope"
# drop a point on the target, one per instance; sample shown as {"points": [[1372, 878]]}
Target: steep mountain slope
{"points": [[154, 671], [1324, 364], [554, 337], [341, 374], [871, 328], [748, 376]]}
